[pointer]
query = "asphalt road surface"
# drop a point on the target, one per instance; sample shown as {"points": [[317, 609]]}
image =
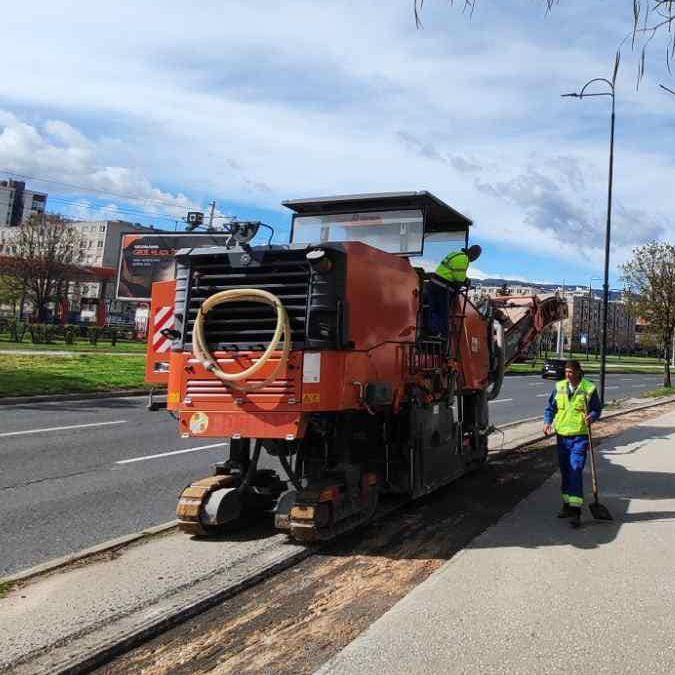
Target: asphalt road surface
{"points": [[74, 474]]}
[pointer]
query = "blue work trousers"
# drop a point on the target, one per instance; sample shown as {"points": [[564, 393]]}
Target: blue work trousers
{"points": [[572, 459]]}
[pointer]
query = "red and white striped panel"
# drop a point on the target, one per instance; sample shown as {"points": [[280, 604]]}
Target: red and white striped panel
{"points": [[163, 319]]}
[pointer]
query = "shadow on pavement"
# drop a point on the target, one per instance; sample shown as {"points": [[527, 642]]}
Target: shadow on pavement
{"points": [[436, 527], [619, 487]]}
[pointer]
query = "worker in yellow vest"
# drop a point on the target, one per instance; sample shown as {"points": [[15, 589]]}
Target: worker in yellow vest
{"points": [[572, 407], [454, 266]]}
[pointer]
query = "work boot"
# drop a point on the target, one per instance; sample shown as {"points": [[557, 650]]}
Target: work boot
{"points": [[565, 511], [575, 517]]}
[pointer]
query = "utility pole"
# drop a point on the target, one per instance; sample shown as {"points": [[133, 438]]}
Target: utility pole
{"points": [[211, 213]]}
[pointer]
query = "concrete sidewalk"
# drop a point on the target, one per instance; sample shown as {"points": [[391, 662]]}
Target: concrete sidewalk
{"points": [[531, 595]]}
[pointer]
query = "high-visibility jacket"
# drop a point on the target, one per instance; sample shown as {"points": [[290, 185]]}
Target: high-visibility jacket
{"points": [[570, 417], [453, 267]]}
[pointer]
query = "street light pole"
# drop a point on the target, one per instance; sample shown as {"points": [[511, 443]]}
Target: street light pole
{"points": [[605, 287]]}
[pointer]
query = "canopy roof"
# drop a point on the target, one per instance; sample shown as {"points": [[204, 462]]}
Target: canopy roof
{"points": [[439, 216]]}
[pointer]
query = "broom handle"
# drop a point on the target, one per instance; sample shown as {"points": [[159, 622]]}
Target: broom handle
{"points": [[594, 475]]}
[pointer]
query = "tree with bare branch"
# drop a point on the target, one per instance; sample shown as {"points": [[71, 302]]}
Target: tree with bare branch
{"points": [[649, 279], [44, 252], [651, 19]]}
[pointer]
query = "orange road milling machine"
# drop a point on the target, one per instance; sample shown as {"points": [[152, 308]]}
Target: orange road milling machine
{"points": [[338, 370]]}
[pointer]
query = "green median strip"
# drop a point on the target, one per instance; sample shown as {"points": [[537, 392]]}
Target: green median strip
{"points": [[29, 375]]}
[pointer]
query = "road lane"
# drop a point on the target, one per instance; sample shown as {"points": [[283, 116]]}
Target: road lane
{"points": [[170, 453], [68, 427], [73, 475]]}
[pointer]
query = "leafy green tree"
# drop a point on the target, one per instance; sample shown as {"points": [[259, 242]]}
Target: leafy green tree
{"points": [[649, 279]]}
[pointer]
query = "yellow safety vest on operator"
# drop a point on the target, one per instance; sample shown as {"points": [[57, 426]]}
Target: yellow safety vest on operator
{"points": [[570, 418], [453, 267]]}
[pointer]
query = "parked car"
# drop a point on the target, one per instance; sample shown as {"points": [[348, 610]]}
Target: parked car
{"points": [[554, 369]]}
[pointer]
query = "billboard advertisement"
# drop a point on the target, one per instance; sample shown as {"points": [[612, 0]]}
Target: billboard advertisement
{"points": [[147, 258]]}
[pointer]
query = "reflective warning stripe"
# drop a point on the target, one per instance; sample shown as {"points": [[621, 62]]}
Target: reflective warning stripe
{"points": [[163, 319]]}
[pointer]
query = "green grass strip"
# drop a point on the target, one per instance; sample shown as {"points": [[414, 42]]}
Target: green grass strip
{"points": [[23, 374]]}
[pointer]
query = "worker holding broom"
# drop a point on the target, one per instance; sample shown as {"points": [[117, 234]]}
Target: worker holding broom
{"points": [[572, 407]]}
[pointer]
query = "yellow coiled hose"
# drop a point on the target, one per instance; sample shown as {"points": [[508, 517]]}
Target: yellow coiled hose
{"points": [[283, 328]]}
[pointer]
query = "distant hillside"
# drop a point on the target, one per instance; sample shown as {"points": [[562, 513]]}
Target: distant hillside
{"points": [[541, 288]]}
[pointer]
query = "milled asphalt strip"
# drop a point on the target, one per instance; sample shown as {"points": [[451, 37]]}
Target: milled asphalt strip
{"points": [[132, 630], [70, 426]]}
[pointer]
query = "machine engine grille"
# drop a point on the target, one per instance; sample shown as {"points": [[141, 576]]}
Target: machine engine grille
{"points": [[245, 325]]}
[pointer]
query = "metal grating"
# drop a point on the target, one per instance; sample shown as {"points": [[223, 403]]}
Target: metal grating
{"points": [[205, 390], [247, 325]]}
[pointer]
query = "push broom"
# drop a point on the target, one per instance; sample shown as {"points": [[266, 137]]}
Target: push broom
{"points": [[598, 511]]}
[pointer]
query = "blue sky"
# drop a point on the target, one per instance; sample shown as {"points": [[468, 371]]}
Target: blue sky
{"points": [[250, 103]]}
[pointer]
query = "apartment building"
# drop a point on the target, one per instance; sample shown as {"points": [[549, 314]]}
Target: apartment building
{"points": [[583, 327], [18, 205]]}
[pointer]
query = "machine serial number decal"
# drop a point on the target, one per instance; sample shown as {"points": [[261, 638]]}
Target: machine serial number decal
{"points": [[199, 422], [311, 398], [173, 397]]}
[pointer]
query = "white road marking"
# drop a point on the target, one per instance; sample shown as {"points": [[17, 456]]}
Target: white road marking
{"points": [[542, 395], [71, 426], [502, 400], [638, 386], [626, 379], [616, 387], [170, 453]]}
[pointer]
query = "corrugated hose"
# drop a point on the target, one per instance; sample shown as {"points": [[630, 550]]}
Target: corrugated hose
{"points": [[283, 328]]}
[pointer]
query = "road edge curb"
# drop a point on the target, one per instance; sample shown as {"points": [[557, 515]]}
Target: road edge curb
{"points": [[104, 547], [83, 396], [614, 413]]}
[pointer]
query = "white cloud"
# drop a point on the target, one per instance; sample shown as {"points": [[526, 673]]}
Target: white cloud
{"points": [[69, 162], [256, 102]]}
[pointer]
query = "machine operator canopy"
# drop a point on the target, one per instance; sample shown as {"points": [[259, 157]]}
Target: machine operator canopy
{"points": [[396, 222]]}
